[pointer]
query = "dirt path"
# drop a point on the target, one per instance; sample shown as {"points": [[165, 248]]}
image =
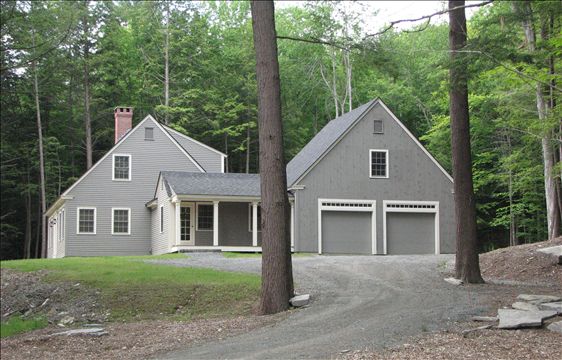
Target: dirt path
{"points": [[358, 302]]}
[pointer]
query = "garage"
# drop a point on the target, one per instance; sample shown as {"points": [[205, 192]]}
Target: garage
{"points": [[346, 226], [411, 228]]}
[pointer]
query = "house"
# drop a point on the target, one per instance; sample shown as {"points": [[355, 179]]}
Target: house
{"points": [[363, 185]]}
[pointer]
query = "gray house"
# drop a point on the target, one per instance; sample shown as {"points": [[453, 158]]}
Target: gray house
{"points": [[363, 185]]}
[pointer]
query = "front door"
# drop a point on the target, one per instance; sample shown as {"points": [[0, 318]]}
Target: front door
{"points": [[187, 224]]}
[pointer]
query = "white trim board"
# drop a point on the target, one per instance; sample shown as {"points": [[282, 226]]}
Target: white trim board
{"points": [[409, 206], [349, 205]]}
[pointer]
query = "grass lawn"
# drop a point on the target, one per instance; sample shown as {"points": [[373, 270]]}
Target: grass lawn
{"points": [[16, 325], [133, 289], [235, 255]]}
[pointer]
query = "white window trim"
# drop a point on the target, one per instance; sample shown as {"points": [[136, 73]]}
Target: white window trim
{"points": [[130, 167], [78, 220], [250, 217], [344, 205], [128, 220], [197, 216], [161, 214], [432, 210], [371, 151]]}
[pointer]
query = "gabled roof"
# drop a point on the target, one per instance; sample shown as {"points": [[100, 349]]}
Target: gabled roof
{"points": [[329, 136], [217, 184], [179, 137]]}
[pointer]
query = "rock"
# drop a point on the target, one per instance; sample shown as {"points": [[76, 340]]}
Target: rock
{"points": [[556, 327], [452, 280], [66, 320], [556, 306], [521, 305], [300, 300], [89, 331], [92, 325], [515, 319], [538, 299], [484, 318], [554, 251]]}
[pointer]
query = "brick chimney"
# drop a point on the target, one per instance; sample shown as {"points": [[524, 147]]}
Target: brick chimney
{"points": [[123, 121]]}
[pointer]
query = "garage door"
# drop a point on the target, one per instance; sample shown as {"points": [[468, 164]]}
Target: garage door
{"points": [[411, 228], [346, 232], [346, 226]]}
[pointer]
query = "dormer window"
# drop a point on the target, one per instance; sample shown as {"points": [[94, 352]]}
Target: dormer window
{"points": [[121, 167], [378, 127], [149, 133]]}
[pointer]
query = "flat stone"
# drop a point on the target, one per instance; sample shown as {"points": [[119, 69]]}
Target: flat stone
{"points": [[554, 251], [300, 300], [452, 280], [92, 325], [556, 327], [66, 320], [484, 318], [521, 305], [538, 299], [88, 331], [556, 306], [515, 319]]}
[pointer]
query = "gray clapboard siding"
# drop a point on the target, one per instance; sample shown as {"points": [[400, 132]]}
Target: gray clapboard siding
{"points": [[344, 174], [98, 190], [161, 241], [211, 160]]}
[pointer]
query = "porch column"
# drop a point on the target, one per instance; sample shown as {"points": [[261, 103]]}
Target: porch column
{"points": [[215, 223], [254, 223], [292, 225], [178, 229]]}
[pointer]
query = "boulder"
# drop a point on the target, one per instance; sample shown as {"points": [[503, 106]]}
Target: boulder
{"points": [[66, 320], [555, 251], [521, 305], [538, 299], [556, 327], [515, 319], [556, 306], [453, 281], [300, 300]]}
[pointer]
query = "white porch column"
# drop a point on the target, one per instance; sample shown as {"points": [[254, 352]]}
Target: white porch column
{"points": [[178, 222], [215, 223], [292, 225], [254, 223]]}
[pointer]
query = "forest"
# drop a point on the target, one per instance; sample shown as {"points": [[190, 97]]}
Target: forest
{"points": [[66, 65]]}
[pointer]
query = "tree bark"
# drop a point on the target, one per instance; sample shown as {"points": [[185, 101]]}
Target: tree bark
{"points": [[166, 64], [28, 213], [467, 267], [87, 114], [277, 276]]}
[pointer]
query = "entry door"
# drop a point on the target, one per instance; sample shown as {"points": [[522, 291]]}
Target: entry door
{"points": [[187, 224]]}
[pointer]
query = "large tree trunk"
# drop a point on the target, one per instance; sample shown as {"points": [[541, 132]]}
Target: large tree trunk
{"points": [[277, 275], [87, 114], [41, 158], [542, 109], [28, 214], [166, 64], [467, 267]]}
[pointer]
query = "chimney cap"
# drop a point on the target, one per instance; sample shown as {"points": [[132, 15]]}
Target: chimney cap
{"points": [[123, 109]]}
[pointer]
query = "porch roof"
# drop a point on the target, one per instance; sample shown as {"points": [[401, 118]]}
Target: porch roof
{"points": [[212, 184]]}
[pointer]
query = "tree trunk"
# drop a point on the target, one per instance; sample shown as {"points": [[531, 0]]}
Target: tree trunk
{"points": [[87, 115], [248, 150], [467, 267], [28, 214], [277, 276], [41, 158], [166, 64]]}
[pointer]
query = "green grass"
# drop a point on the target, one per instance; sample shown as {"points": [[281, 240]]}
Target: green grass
{"points": [[134, 289], [235, 255], [16, 325]]}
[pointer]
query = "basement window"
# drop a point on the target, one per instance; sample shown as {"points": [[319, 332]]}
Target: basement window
{"points": [[149, 133]]}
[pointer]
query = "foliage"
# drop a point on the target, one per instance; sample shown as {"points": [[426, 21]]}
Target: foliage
{"points": [[17, 325]]}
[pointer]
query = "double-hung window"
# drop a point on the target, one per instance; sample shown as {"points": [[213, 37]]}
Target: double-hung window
{"points": [[378, 163], [86, 221], [205, 214], [120, 221], [121, 167]]}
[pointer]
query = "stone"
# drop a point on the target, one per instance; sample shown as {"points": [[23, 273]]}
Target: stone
{"points": [[538, 299], [484, 318], [89, 331], [521, 305], [556, 306], [92, 325], [554, 251], [300, 300], [515, 319], [452, 280], [556, 327], [66, 320], [468, 331]]}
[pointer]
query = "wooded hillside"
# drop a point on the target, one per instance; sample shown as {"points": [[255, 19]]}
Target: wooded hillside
{"points": [[192, 66]]}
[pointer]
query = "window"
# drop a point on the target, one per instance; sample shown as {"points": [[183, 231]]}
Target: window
{"points": [[120, 219], [251, 217], [148, 133], [61, 226], [378, 163], [121, 167], [378, 127], [86, 221], [204, 217], [161, 218]]}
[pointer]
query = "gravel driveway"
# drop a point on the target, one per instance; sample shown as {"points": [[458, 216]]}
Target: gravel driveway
{"points": [[358, 302]]}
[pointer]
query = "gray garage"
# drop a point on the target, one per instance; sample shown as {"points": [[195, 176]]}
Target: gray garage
{"points": [[346, 232], [410, 233]]}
